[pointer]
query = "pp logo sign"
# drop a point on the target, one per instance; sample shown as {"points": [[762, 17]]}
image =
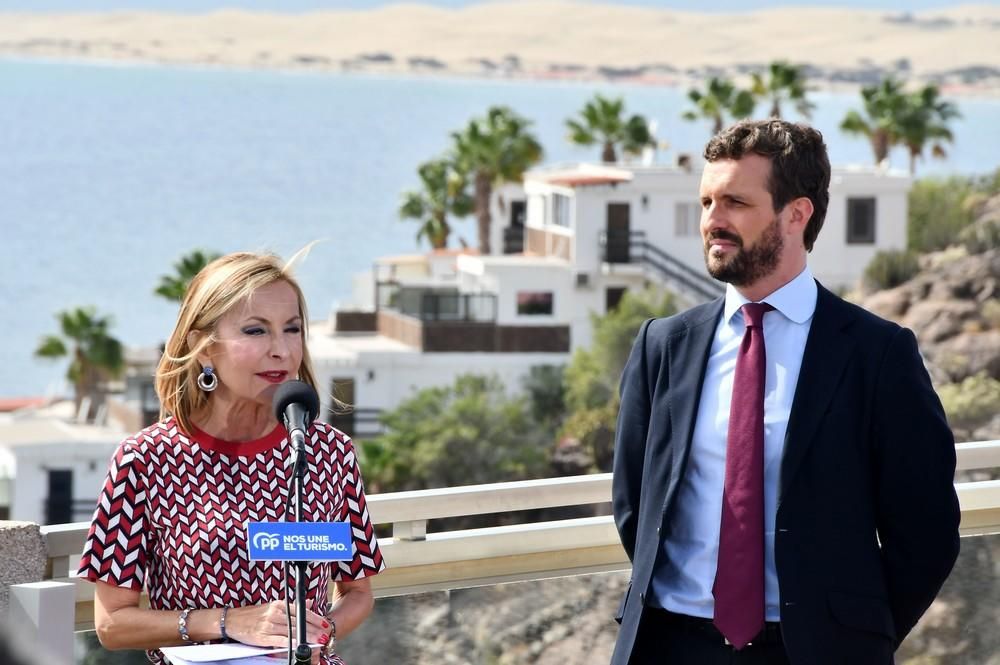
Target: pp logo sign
{"points": [[266, 541], [300, 541]]}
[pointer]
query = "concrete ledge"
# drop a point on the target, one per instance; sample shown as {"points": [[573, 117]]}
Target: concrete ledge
{"points": [[22, 557]]}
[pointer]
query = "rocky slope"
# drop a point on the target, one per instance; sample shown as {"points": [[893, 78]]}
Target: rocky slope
{"points": [[953, 307]]}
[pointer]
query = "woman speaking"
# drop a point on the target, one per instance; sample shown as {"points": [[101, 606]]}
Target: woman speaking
{"points": [[171, 517]]}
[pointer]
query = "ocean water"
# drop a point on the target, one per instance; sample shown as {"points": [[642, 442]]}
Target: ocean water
{"points": [[109, 173]]}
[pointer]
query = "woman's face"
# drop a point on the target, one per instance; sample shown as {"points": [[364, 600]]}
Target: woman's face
{"points": [[259, 345]]}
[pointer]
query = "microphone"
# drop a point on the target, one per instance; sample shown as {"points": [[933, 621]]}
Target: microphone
{"points": [[296, 404]]}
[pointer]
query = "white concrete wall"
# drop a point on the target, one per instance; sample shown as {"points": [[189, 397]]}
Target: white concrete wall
{"points": [[537, 200], [396, 377], [588, 221], [512, 278], [89, 463], [836, 263]]}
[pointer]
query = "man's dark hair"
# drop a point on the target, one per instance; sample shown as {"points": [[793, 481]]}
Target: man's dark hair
{"points": [[799, 163]]}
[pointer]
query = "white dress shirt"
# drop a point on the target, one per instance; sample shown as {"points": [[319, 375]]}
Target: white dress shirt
{"points": [[685, 573]]}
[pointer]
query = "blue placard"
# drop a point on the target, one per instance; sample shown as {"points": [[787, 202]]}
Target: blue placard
{"points": [[299, 541]]}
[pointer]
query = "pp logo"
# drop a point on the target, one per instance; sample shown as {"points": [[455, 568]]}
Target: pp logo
{"points": [[266, 541]]}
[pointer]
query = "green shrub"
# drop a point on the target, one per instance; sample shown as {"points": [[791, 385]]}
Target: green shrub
{"points": [[593, 374], [467, 433], [890, 268], [971, 403], [937, 213]]}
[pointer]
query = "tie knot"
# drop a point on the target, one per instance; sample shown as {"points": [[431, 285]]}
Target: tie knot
{"points": [[753, 314]]}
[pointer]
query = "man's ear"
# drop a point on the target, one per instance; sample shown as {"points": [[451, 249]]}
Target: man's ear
{"points": [[800, 212]]}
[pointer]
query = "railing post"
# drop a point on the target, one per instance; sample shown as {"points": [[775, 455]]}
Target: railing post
{"points": [[413, 530], [41, 617]]}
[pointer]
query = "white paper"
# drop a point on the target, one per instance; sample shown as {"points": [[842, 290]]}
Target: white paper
{"points": [[228, 653]]}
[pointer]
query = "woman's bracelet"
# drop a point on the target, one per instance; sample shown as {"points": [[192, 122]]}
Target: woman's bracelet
{"points": [[182, 624], [331, 645], [222, 624]]}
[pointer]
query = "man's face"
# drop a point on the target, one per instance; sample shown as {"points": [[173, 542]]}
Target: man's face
{"points": [[742, 234]]}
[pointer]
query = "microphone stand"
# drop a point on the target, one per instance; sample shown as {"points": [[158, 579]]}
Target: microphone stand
{"points": [[303, 653]]}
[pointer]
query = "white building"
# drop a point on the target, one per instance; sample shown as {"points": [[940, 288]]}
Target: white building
{"points": [[51, 470], [571, 242]]}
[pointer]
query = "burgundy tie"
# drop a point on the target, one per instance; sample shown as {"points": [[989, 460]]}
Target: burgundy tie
{"points": [[739, 579]]}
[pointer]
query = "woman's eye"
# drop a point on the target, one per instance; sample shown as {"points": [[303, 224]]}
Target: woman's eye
{"points": [[253, 331], [295, 330]]}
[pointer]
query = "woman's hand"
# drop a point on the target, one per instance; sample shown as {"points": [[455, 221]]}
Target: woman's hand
{"points": [[267, 625]]}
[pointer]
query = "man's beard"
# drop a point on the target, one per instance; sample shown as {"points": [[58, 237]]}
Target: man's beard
{"points": [[748, 265]]}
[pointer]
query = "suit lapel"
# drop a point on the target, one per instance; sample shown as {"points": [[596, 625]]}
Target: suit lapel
{"points": [[826, 354], [686, 378]]}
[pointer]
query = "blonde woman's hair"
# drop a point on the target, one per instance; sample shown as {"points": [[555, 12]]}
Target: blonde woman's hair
{"points": [[218, 288]]}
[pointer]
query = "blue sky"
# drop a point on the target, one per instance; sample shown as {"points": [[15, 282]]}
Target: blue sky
{"points": [[311, 5]]}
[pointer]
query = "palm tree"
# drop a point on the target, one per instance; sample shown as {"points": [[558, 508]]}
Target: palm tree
{"points": [[96, 355], [720, 99], [925, 119], [602, 121], [443, 193], [173, 287], [785, 82], [494, 149], [885, 105]]}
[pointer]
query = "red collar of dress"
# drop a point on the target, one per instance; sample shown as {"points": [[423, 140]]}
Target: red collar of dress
{"points": [[240, 448]]}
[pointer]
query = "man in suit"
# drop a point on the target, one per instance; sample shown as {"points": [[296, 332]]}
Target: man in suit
{"points": [[783, 473]]}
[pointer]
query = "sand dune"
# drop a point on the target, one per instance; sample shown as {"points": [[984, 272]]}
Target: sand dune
{"points": [[958, 46]]}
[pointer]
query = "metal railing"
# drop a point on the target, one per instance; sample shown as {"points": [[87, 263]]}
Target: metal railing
{"points": [[358, 423], [420, 561], [633, 247], [430, 304]]}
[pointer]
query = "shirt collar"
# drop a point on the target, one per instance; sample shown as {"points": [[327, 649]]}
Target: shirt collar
{"points": [[796, 300]]}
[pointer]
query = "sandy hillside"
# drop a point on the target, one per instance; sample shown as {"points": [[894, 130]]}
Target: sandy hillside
{"points": [[958, 46]]}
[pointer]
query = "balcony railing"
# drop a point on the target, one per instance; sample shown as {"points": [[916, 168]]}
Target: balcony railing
{"points": [[429, 304], [420, 561]]}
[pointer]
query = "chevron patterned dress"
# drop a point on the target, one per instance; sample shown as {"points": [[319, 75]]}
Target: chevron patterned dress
{"points": [[172, 517]]}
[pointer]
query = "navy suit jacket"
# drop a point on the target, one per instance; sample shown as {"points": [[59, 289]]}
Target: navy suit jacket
{"points": [[867, 519]]}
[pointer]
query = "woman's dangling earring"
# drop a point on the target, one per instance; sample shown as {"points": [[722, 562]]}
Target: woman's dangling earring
{"points": [[207, 380]]}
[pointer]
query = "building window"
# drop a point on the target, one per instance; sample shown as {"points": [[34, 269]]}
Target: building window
{"points": [[560, 210], [59, 500], [861, 221], [612, 296], [532, 303], [687, 217]]}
